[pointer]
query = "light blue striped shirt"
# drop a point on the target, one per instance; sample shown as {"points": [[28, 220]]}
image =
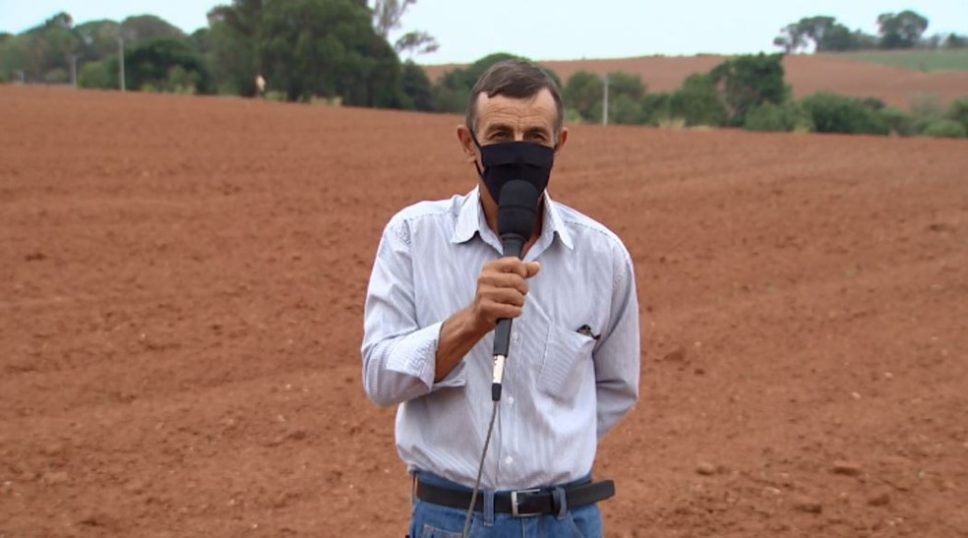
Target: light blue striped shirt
{"points": [[563, 390]]}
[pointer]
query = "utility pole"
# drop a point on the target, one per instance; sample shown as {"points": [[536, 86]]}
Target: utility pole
{"points": [[121, 61], [605, 103], [74, 70]]}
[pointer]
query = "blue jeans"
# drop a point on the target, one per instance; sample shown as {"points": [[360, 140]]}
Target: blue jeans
{"points": [[435, 521]]}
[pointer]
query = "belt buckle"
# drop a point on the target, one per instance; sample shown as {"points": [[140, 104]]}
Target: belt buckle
{"points": [[514, 503]]}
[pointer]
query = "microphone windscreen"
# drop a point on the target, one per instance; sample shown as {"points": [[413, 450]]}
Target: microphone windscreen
{"points": [[517, 209]]}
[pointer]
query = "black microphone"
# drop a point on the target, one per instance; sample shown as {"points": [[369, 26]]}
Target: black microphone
{"points": [[517, 212]]}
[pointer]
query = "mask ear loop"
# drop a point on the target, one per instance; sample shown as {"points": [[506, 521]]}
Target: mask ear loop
{"points": [[480, 171]]}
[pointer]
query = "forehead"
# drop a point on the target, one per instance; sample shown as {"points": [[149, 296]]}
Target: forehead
{"points": [[536, 111]]}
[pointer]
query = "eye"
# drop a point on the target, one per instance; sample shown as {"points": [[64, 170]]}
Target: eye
{"points": [[499, 135], [539, 137]]}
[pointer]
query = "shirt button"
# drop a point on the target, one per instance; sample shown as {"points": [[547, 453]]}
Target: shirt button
{"points": [[509, 460]]}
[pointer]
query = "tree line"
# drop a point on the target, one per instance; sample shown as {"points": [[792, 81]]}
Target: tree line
{"points": [[904, 30], [751, 92], [305, 49]]}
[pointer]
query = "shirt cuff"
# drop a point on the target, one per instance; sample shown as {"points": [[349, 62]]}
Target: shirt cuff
{"points": [[416, 355]]}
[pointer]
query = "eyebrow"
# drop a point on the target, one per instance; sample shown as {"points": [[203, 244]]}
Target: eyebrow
{"points": [[498, 127]]}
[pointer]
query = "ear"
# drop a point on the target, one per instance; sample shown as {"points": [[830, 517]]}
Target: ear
{"points": [[562, 138], [467, 143]]}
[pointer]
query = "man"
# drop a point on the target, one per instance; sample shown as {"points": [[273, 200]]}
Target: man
{"points": [[438, 287]]}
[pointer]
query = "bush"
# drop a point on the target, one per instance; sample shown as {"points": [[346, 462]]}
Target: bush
{"points": [[832, 113], [276, 95], [778, 118], [57, 75], [656, 108], [926, 108], [898, 121], [945, 129], [959, 111], [582, 93], [623, 109], [698, 103], [96, 75], [672, 123], [573, 116]]}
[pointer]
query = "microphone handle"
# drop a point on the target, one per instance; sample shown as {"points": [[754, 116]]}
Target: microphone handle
{"points": [[513, 245]]}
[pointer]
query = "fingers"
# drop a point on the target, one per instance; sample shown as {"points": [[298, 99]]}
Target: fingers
{"points": [[502, 287], [494, 311], [504, 280], [514, 265]]}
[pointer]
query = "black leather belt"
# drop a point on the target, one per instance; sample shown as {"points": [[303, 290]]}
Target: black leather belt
{"points": [[528, 502]]}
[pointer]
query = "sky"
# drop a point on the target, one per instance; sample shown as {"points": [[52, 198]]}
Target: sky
{"points": [[555, 29]]}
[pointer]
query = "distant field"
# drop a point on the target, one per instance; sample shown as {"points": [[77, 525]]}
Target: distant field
{"points": [[848, 74], [914, 60]]}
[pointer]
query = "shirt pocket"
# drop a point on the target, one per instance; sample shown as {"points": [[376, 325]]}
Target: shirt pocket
{"points": [[566, 357]]}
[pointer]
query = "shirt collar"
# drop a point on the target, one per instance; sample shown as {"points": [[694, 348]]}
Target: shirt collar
{"points": [[470, 220]]}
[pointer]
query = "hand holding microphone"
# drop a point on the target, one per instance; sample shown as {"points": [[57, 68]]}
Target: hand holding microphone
{"points": [[501, 289]]}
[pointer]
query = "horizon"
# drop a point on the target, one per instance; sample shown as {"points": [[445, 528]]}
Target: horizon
{"points": [[745, 26]]}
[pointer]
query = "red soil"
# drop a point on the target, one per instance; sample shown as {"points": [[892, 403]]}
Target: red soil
{"points": [[181, 294]]}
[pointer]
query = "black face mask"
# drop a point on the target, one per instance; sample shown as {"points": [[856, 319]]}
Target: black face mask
{"points": [[507, 161]]}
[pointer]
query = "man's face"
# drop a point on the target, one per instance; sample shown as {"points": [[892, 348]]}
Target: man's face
{"points": [[507, 119]]}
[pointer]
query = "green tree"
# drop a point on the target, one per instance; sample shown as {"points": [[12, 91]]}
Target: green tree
{"points": [[233, 38], [328, 48], [201, 40], [42, 53], [165, 64], [747, 81], [698, 102], [387, 16], [582, 93], [142, 28], [902, 30], [824, 32], [417, 87], [99, 39]]}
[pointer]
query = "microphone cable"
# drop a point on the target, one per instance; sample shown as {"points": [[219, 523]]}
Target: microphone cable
{"points": [[480, 471]]}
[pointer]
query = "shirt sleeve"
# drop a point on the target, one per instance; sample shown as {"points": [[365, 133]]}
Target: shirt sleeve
{"points": [[616, 357], [399, 356]]}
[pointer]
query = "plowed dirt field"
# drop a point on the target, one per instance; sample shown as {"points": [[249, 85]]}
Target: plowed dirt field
{"points": [[181, 290]]}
